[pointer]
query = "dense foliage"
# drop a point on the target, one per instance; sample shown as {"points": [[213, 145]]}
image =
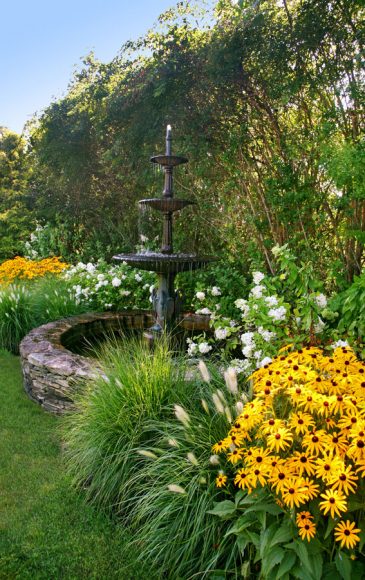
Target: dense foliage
{"points": [[266, 100]]}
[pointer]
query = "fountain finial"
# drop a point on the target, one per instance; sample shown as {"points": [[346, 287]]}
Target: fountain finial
{"points": [[168, 139]]}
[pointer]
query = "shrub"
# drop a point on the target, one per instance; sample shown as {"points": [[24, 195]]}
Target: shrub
{"points": [[295, 466], [290, 305], [351, 305], [110, 420]]}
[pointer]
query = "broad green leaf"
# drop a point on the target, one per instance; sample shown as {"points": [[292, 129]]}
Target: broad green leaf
{"points": [[241, 524], [223, 509], [343, 565], [283, 534], [271, 558], [286, 564]]}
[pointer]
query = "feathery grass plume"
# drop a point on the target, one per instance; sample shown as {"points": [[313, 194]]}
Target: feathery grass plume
{"points": [[239, 407], [181, 414], [172, 442], [191, 457], [205, 405], [176, 488], [218, 403], [146, 453], [214, 459], [204, 371], [228, 413], [230, 377], [221, 396]]}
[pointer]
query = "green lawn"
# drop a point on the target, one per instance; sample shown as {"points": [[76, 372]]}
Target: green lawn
{"points": [[46, 530]]}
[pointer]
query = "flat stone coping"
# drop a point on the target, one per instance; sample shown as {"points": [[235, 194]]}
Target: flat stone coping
{"points": [[52, 371]]}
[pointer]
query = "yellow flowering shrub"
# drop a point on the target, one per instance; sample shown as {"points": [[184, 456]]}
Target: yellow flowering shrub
{"points": [[301, 440], [23, 269]]}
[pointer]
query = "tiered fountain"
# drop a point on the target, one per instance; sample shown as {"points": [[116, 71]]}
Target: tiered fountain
{"points": [[166, 301]]}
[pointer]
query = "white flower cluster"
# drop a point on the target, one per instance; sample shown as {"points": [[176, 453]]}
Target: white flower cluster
{"points": [[195, 348], [257, 277], [242, 305], [221, 333], [277, 313], [321, 300], [102, 286], [257, 291]]}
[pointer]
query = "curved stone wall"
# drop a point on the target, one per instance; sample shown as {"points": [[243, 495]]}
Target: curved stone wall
{"points": [[51, 370]]}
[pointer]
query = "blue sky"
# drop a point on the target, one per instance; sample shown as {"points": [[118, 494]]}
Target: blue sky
{"points": [[42, 41]]}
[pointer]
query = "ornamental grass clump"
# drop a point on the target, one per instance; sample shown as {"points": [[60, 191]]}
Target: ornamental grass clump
{"points": [[297, 452], [111, 416], [16, 316], [173, 529]]}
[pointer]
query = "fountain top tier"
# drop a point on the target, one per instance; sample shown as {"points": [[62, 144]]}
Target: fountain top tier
{"points": [[166, 261]]}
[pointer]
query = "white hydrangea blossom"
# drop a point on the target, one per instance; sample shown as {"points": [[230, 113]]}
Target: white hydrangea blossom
{"points": [[138, 277], [242, 305], [340, 344], [240, 366], [271, 300], [221, 333], [256, 291], [200, 295], [247, 351], [204, 311], [247, 338], [216, 291], [321, 300], [192, 347], [266, 334], [277, 313], [257, 277], [204, 348], [116, 282]]}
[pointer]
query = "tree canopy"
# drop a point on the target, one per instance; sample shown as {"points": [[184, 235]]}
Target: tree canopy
{"points": [[267, 101]]}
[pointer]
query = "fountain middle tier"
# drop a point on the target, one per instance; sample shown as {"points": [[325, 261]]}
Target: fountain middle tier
{"points": [[166, 204], [166, 263]]}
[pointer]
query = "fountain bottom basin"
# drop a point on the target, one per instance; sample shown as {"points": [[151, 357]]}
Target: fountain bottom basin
{"points": [[51, 364]]}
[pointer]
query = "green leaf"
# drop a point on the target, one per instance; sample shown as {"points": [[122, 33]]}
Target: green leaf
{"points": [[283, 534], [286, 564], [343, 565], [223, 509], [270, 560], [241, 524], [270, 508], [301, 550], [331, 524]]}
